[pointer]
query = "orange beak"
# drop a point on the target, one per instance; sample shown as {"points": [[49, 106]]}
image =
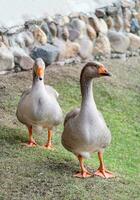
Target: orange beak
{"points": [[40, 72], [103, 71]]}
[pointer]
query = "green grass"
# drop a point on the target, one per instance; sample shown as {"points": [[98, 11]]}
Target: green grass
{"points": [[37, 174]]}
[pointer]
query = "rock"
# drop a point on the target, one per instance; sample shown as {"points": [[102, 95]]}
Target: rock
{"points": [[49, 53], [28, 38], [127, 4], [78, 25], [15, 29], [25, 62], [66, 20], [127, 25], [100, 13], [137, 16], [72, 49], [121, 56], [46, 30], [59, 31], [53, 29], [65, 33], [29, 23], [83, 17], [91, 32], [4, 39], [67, 49], [3, 30], [19, 39], [39, 35], [74, 15], [110, 22], [134, 41], [86, 47], [2, 44], [119, 41], [99, 25], [12, 41], [48, 19], [61, 45], [134, 25], [102, 46], [6, 59], [127, 14], [58, 19], [127, 17], [73, 34], [111, 11], [21, 58], [24, 40], [118, 23]]}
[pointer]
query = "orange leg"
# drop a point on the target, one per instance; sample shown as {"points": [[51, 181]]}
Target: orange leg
{"points": [[49, 142], [32, 142], [83, 172], [102, 171]]}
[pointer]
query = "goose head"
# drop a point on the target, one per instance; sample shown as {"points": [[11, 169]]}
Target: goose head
{"points": [[94, 70], [38, 69]]}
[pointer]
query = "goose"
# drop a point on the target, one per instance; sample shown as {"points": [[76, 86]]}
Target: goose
{"points": [[38, 107], [85, 130]]}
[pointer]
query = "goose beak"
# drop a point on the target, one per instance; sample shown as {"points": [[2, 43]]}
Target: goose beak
{"points": [[40, 73], [103, 71]]}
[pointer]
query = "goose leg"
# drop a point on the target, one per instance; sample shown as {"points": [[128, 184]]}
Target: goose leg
{"points": [[48, 145], [32, 142], [83, 172], [102, 171]]}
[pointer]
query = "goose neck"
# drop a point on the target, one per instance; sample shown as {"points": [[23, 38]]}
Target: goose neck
{"points": [[88, 103], [37, 83]]}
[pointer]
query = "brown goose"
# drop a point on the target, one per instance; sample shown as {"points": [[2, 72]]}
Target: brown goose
{"points": [[38, 106], [85, 130]]}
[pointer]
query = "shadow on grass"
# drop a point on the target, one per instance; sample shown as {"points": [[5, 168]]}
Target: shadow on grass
{"points": [[11, 135], [53, 162], [62, 167]]}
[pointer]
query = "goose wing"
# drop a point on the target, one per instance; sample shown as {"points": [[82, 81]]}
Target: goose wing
{"points": [[71, 114], [52, 91]]}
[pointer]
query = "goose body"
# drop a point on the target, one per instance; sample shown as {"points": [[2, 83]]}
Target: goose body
{"points": [[88, 133], [38, 106], [85, 130]]}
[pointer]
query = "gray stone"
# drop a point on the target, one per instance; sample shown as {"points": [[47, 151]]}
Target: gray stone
{"points": [[98, 24], [111, 10], [86, 47], [83, 17], [127, 4], [119, 41], [59, 31], [15, 29], [46, 30], [39, 35], [53, 29], [78, 24], [6, 59], [25, 62], [134, 41], [22, 59], [73, 34], [102, 46], [59, 20], [48, 53], [100, 13]]}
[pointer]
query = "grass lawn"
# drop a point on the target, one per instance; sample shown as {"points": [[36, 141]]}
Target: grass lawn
{"points": [[37, 174]]}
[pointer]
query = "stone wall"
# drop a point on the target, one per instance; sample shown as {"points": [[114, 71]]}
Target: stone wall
{"points": [[109, 32]]}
